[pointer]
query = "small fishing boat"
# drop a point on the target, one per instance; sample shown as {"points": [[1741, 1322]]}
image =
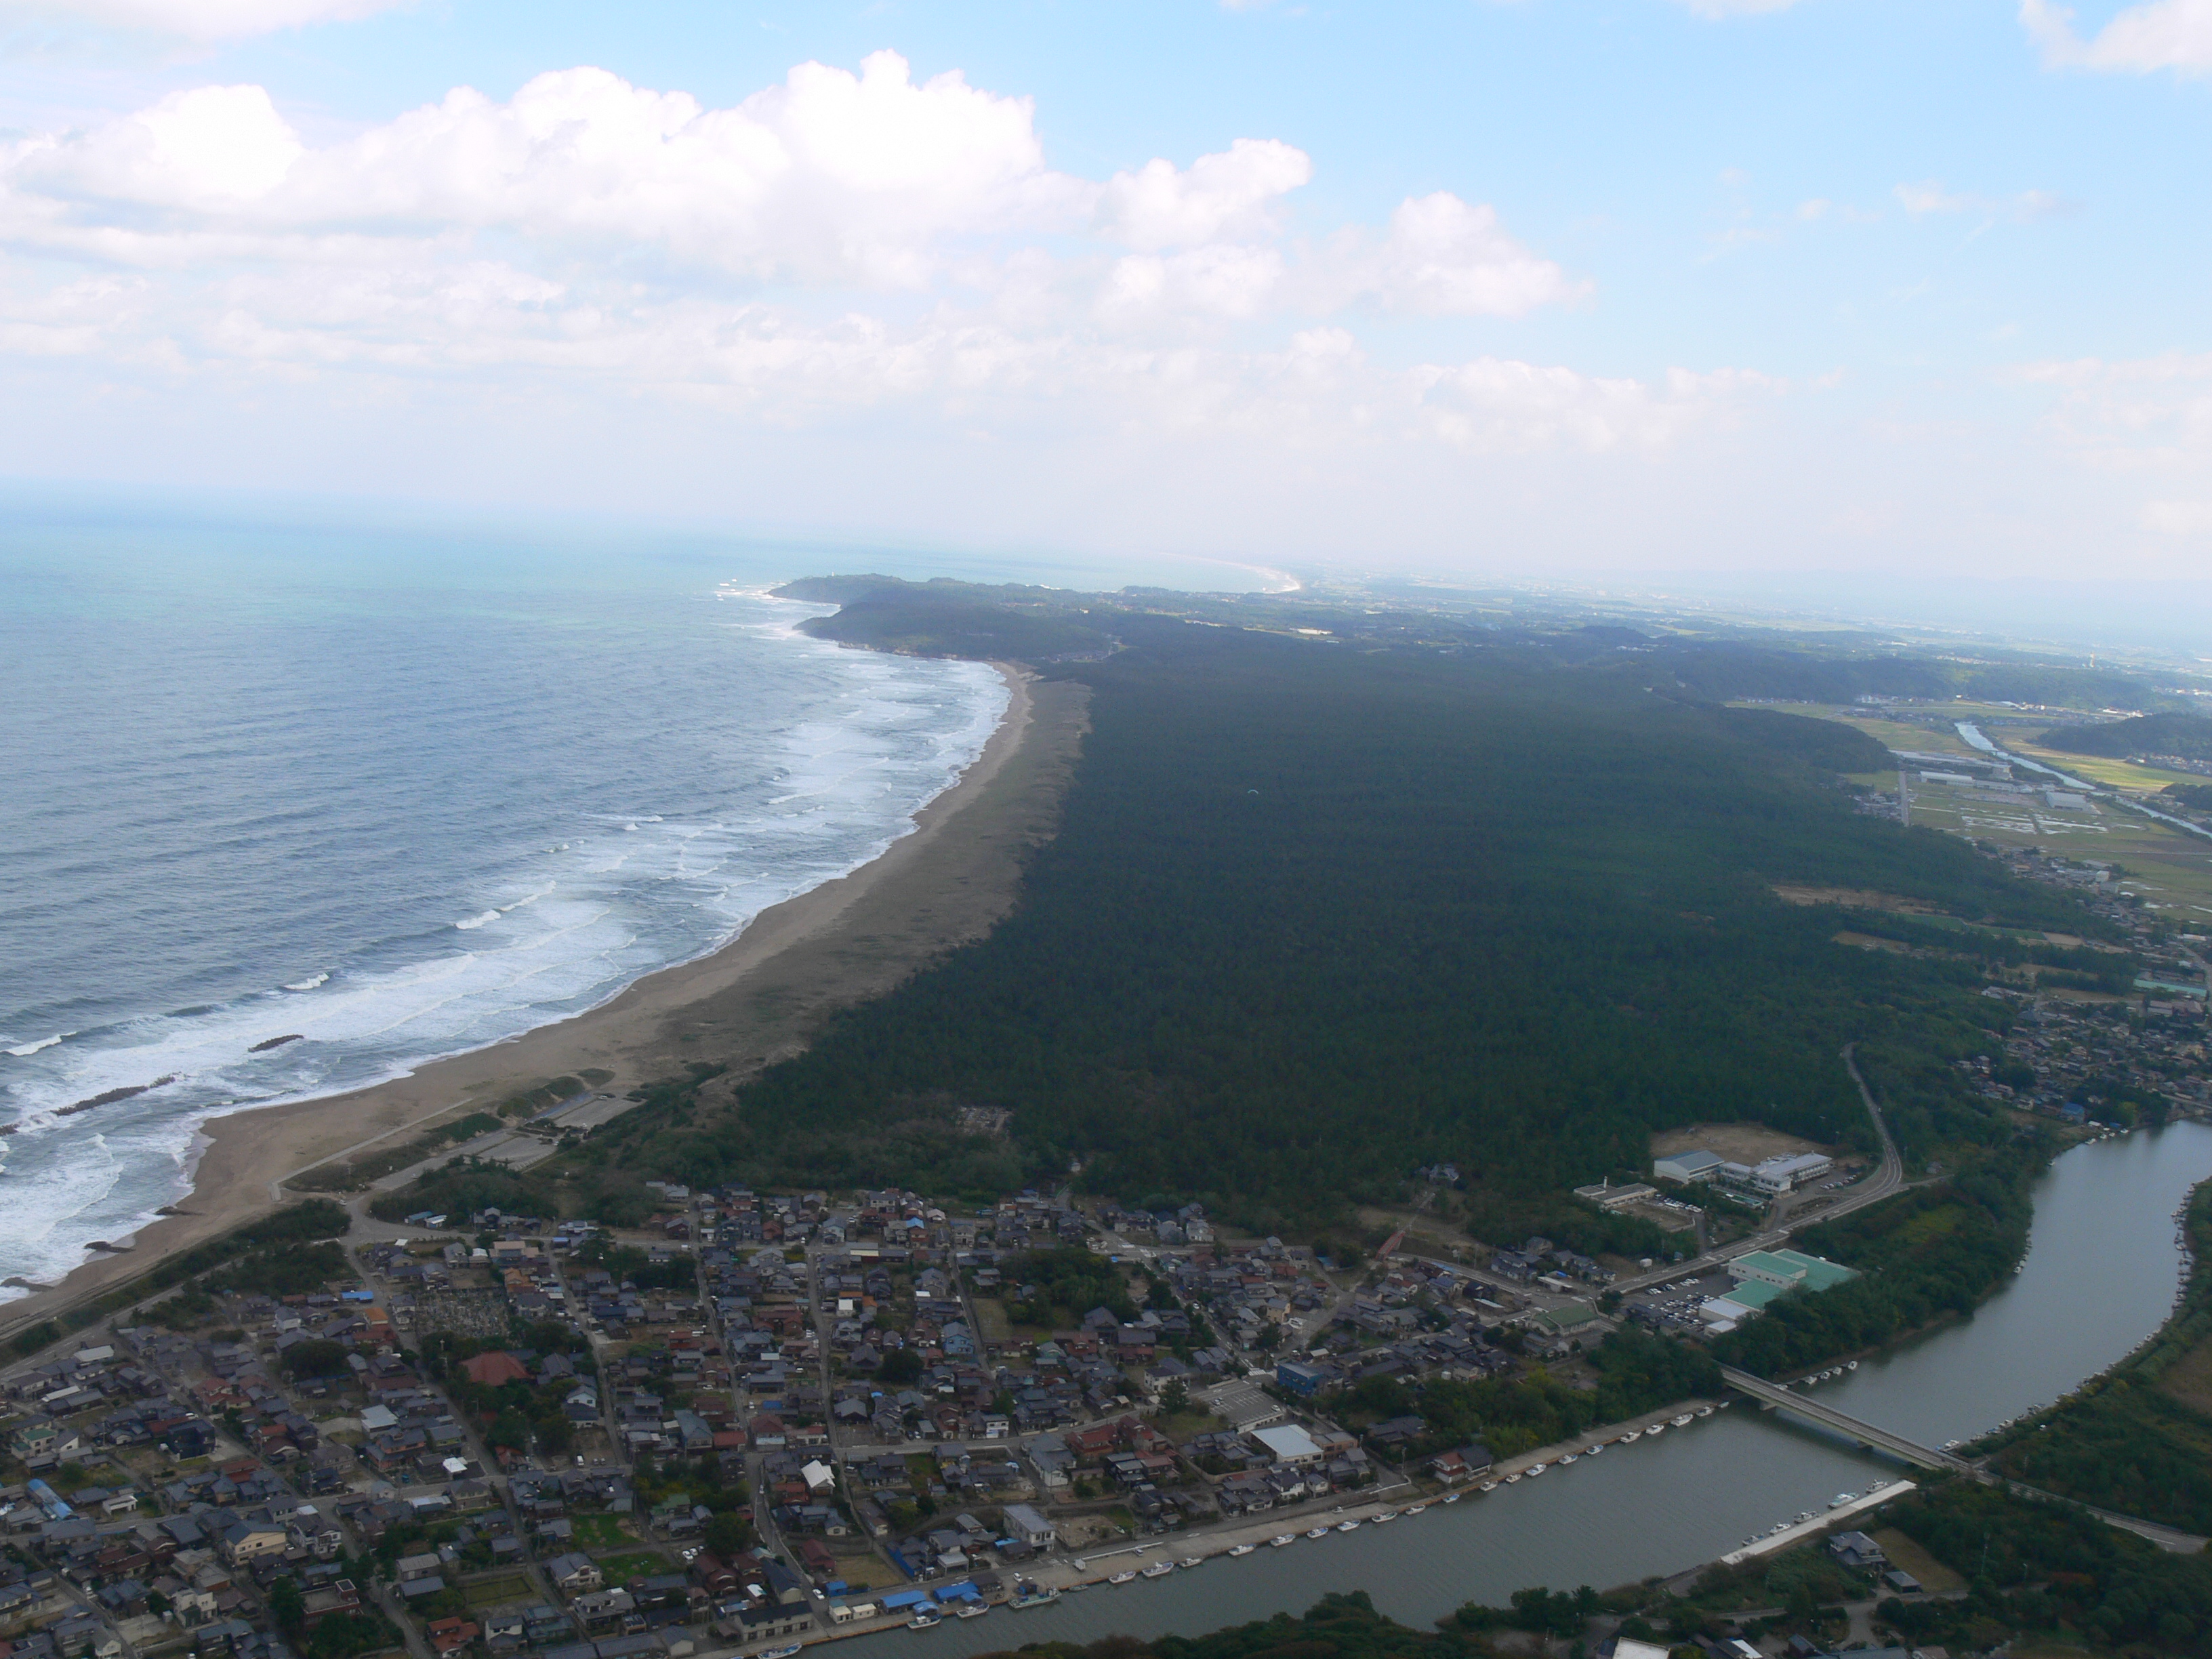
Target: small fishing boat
{"points": [[1242, 1549], [1316, 1531], [1681, 1422], [1030, 1594], [1347, 1525], [1704, 1411], [1851, 1365], [1593, 1451], [965, 1610], [1633, 1434], [1387, 1514], [925, 1620], [1282, 1539], [1417, 1508], [1158, 1570], [1657, 1429], [1570, 1458], [1189, 1561], [1127, 1576], [1535, 1469]]}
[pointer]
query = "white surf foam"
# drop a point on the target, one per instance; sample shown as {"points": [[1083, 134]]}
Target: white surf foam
{"points": [[30, 1048], [637, 890]]}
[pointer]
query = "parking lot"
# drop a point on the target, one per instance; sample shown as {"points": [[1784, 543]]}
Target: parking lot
{"points": [[1678, 1299]]}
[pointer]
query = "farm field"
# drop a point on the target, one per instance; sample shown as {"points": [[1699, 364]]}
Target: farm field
{"points": [[2171, 869], [1890, 733]]}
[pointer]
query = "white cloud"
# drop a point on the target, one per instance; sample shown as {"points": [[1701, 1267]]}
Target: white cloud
{"points": [[1930, 196], [2178, 517], [1492, 406], [1225, 195], [198, 21], [1441, 256], [2158, 34], [2133, 413], [828, 177], [835, 244]]}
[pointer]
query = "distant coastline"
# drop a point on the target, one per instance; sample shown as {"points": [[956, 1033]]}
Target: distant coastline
{"points": [[834, 944]]}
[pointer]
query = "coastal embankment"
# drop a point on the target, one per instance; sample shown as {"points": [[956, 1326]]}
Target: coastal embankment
{"points": [[755, 999]]}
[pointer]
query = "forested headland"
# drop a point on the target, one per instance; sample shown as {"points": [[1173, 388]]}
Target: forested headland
{"points": [[1342, 892], [1317, 915]]}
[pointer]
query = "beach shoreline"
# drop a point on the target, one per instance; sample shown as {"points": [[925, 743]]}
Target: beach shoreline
{"points": [[755, 1000]]}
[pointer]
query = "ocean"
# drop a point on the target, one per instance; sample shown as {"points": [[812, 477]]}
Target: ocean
{"points": [[391, 792]]}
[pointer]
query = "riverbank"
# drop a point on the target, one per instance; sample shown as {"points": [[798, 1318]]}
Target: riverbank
{"points": [[758, 999]]}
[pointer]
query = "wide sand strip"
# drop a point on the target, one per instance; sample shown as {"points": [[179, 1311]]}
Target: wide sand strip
{"points": [[757, 999]]}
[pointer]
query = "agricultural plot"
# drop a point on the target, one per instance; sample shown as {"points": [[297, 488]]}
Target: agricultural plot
{"points": [[2169, 870]]}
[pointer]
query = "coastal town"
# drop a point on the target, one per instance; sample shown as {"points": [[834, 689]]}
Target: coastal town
{"points": [[756, 1420]]}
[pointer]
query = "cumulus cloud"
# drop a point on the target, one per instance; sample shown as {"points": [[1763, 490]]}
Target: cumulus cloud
{"points": [[840, 241], [1440, 257], [831, 176], [2157, 34], [1226, 195], [198, 20]]}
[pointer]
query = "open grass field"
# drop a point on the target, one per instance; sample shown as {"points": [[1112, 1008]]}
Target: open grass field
{"points": [[603, 1532], [493, 1592], [1935, 1577], [1745, 1143], [2098, 768], [626, 1569], [1934, 739], [991, 1316]]}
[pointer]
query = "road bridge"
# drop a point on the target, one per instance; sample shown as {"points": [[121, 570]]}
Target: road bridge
{"points": [[1827, 1417]]}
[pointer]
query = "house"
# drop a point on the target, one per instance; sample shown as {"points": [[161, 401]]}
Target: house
{"points": [[1855, 1549], [450, 1635], [1303, 1381], [1461, 1462], [575, 1573], [1031, 1527]]}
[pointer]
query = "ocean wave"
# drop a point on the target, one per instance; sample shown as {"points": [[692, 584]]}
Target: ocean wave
{"points": [[30, 1048], [821, 775]]}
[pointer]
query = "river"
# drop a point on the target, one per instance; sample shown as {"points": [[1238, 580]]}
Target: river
{"points": [[2101, 1273]]}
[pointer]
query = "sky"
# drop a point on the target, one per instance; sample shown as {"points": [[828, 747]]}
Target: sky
{"points": [[1909, 291]]}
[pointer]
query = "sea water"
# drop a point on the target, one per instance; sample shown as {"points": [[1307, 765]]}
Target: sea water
{"points": [[394, 794]]}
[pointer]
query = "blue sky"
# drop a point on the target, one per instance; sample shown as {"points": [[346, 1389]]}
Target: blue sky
{"points": [[1627, 285]]}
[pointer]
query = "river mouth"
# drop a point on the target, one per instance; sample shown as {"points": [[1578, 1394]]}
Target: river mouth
{"points": [[2102, 1269]]}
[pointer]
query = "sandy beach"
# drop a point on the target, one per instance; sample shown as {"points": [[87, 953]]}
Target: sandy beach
{"points": [[757, 1000]]}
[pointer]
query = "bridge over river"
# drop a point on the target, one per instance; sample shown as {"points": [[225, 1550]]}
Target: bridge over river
{"points": [[1780, 1398], [1786, 1398]]}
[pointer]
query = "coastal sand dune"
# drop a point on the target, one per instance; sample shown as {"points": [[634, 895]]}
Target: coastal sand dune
{"points": [[757, 999]]}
